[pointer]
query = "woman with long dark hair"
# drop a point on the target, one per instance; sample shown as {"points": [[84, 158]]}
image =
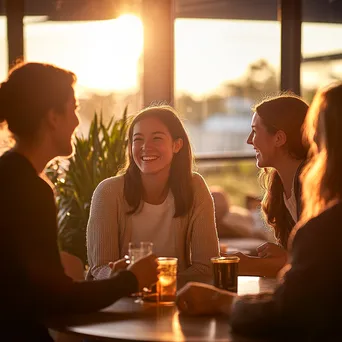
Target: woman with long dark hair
{"points": [[281, 154], [158, 198]]}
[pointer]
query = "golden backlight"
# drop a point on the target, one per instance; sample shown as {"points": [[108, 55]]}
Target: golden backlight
{"points": [[111, 62], [208, 53]]}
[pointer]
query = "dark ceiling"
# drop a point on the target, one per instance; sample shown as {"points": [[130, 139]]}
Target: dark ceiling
{"points": [[329, 11]]}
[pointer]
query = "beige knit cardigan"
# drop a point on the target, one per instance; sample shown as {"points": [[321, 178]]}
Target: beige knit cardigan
{"points": [[109, 230]]}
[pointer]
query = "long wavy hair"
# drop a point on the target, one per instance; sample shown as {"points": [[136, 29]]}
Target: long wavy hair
{"points": [[322, 177], [180, 178], [285, 112]]}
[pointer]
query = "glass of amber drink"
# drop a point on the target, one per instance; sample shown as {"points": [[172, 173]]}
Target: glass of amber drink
{"points": [[167, 280]]}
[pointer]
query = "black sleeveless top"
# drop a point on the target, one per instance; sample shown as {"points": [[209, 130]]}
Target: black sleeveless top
{"points": [[288, 222]]}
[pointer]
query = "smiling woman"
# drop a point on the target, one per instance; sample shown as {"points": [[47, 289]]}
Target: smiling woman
{"points": [[158, 198]]}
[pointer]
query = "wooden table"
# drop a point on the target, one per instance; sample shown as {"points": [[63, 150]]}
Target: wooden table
{"points": [[126, 320]]}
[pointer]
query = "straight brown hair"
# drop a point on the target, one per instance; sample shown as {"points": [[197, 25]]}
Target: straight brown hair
{"points": [[180, 178]]}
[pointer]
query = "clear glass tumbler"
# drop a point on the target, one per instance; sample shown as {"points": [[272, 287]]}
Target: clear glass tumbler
{"points": [[137, 251]]}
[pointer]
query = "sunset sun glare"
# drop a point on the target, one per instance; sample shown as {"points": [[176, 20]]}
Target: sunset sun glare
{"points": [[112, 58]]}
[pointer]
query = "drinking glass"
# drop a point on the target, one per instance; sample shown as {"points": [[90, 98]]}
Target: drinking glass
{"points": [[226, 272], [137, 251], [167, 280]]}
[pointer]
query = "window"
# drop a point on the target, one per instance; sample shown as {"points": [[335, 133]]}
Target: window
{"points": [[222, 68], [322, 56]]}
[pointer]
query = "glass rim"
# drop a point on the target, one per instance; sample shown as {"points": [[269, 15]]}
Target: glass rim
{"points": [[140, 244], [167, 260], [225, 260]]}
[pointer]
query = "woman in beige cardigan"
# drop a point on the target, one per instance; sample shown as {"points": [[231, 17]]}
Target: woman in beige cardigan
{"points": [[158, 198]]}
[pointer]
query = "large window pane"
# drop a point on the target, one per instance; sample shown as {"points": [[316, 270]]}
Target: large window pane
{"points": [[105, 55], [321, 50], [222, 68]]}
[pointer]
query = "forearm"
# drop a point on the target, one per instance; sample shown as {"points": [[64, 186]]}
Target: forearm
{"points": [[81, 297], [201, 254], [204, 241], [102, 232], [226, 302], [102, 249]]}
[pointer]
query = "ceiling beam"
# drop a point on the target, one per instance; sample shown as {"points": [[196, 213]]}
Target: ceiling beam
{"points": [[321, 11]]}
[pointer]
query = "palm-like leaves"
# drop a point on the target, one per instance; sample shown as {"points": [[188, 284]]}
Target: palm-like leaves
{"points": [[98, 156]]}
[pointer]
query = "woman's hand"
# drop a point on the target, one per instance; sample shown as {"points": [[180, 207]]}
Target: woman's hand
{"points": [[120, 264], [261, 267], [271, 250]]}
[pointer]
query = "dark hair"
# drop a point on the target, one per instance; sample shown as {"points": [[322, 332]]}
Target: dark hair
{"points": [[180, 179], [287, 113], [30, 91], [322, 177]]}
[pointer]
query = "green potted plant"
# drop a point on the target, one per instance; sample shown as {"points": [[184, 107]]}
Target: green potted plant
{"points": [[97, 156]]}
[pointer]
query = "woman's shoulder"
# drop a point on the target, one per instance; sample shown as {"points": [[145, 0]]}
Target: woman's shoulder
{"points": [[112, 185], [199, 183], [198, 180]]}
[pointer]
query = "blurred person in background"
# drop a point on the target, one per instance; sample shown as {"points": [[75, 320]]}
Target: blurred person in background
{"points": [[232, 221]]}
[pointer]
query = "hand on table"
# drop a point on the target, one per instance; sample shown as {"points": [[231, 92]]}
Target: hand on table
{"points": [[203, 299]]}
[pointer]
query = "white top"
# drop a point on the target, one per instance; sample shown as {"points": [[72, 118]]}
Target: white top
{"points": [[154, 223], [291, 205]]}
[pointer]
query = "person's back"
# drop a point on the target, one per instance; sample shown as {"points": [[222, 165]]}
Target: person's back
{"points": [[308, 302], [323, 251], [22, 242], [34, 284]]}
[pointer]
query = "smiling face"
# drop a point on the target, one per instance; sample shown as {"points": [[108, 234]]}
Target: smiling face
{"points": [[153, 147], [264, 143]]}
